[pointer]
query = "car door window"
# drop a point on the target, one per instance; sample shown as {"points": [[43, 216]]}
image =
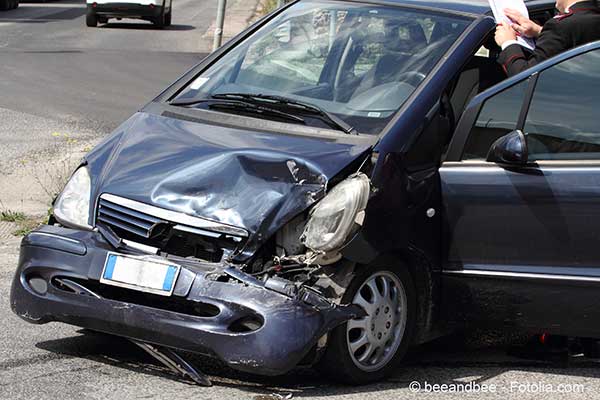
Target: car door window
{"points": [[563, 121], [499, 115]]}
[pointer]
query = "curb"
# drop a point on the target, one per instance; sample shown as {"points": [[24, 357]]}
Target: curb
{"points": [[238, 16]]}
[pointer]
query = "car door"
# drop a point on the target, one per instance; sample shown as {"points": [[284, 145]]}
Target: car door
{"points": [[522, 242]]}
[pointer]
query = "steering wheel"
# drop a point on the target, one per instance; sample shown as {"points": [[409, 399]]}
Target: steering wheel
{"points": [[413, 78]]}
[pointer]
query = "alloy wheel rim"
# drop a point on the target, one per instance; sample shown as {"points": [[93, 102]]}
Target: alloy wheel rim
{"points": [[373, 340]]}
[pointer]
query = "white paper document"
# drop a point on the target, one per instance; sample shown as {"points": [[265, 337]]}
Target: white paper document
{"points": [[498, 7]]}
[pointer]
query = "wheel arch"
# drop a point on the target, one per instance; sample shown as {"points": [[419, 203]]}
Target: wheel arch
{"points": [[421, 271]]}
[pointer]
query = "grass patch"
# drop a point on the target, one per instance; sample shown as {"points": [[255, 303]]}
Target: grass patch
{"points": [[24, 223], [25, 226], [12, 216]]}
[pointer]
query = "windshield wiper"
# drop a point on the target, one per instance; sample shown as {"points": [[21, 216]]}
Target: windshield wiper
{"points": [[290, 104], [239, 105]]}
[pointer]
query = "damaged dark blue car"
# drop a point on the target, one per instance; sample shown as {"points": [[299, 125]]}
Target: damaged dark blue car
{"points": [[331, 187]]}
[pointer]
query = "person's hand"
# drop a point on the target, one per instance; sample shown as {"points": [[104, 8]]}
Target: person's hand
{"points": [[524, 26], [504, 33]]}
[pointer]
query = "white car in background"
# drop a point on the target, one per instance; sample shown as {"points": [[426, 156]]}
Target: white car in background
{"points": [[159, 12]]}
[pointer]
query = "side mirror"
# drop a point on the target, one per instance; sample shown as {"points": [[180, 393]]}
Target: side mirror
{"points": [[509, 149]]}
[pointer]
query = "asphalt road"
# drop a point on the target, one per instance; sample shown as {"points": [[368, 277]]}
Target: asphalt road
{"points": [[58, 76], [53, 67]]}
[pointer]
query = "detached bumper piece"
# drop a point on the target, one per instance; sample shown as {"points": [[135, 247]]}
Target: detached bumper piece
{"points": [[174, 362], [217, 310]]}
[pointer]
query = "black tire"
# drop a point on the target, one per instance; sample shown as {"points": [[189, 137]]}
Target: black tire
{"points": [[91, 19], [591, 348], [337, 361], [168, 18], [159, 21], [4, 5]]}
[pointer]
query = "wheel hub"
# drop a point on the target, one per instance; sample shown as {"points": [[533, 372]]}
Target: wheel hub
{"points": [[381, 324]]}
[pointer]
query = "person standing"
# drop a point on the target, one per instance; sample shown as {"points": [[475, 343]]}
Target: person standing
{"points": [[577, 23]]}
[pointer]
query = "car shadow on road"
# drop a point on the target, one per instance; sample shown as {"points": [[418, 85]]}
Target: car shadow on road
{"points": [[148, 26], [428, 363], [61, 2]]}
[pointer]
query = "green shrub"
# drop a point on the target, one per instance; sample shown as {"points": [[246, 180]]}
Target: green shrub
{"points": [[269, 5], [12, 216]]}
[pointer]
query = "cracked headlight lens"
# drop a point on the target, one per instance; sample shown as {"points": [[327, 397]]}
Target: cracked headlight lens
{"points": [[338, 215], [72, 208]]}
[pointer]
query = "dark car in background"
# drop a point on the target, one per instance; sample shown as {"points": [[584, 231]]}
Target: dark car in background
{"points": [[6, 5], [341, 181]]}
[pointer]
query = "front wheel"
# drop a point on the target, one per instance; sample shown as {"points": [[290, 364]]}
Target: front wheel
{"points": [[91, 19], [159, 21], [368, 349]]}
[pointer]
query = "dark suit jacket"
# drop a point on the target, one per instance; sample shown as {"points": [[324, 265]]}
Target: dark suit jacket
{"points": [[579, 26]]}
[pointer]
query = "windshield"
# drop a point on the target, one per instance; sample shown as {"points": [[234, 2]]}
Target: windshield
{"points": [[356, 61]]}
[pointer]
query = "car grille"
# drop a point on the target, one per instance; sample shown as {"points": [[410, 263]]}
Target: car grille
{"points": [[126, 219], [178, 234]]}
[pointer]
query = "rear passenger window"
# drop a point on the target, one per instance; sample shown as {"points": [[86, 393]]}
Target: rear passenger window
{"points": [[563, 122], [498, 116]]}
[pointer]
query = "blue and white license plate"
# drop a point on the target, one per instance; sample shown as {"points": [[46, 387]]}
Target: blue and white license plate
{"points": [[145, 274]]}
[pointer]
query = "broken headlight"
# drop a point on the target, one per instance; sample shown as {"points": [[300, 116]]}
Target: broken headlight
{"points": [[72, 207], [338, 215]]}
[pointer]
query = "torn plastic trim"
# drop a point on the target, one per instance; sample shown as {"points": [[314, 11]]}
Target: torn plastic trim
{"points": [[303, 293], [124, 245], [52, 241], [174, 362]]}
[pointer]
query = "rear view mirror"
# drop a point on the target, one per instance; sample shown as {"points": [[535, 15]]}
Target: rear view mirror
{"points": [[509, 149]]}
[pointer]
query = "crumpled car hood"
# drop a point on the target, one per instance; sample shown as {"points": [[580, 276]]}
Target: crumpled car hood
{"points": [[249, 179]]}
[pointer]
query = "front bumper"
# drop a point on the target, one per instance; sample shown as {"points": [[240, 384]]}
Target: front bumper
{"points": [[291, 325]]}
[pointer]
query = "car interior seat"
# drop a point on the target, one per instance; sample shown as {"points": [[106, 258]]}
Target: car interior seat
{"points": [[400, 41]]}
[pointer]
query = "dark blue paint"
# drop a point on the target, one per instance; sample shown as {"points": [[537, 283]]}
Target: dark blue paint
{"points": [[274, 349], [56, 241], [235, 176]]}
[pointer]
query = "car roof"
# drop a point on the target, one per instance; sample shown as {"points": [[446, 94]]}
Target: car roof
{"points": [[475, 7]]}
